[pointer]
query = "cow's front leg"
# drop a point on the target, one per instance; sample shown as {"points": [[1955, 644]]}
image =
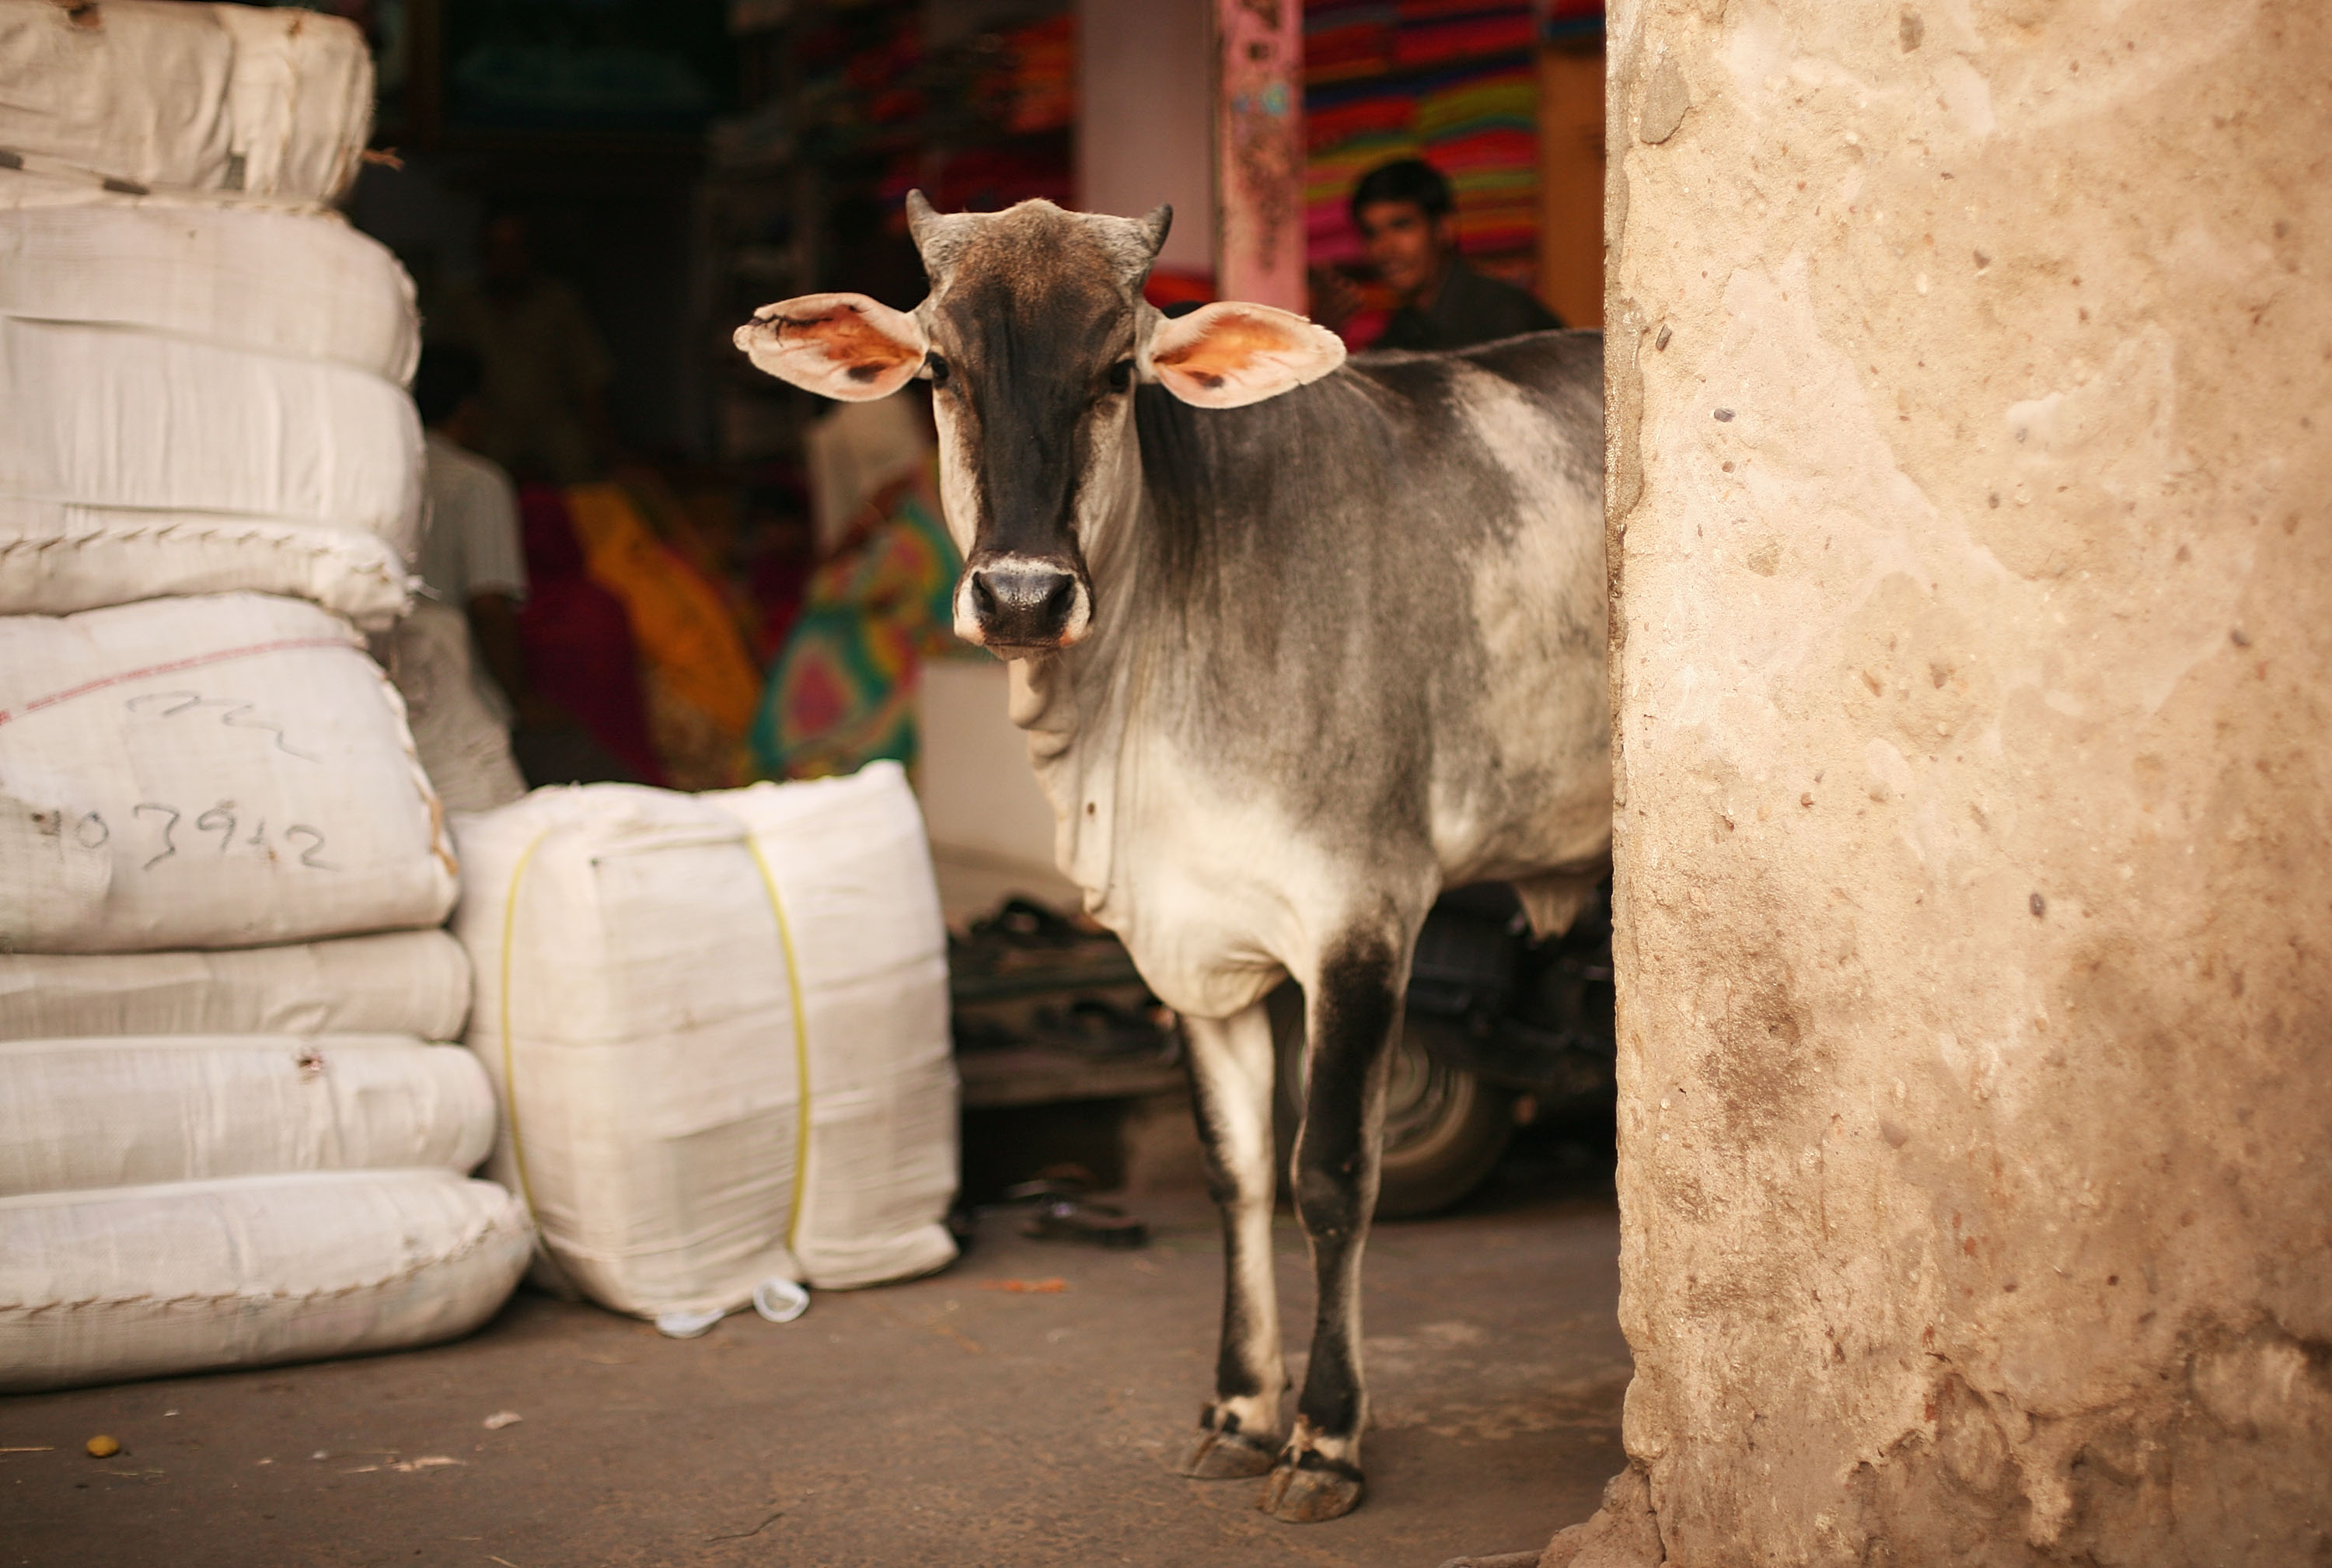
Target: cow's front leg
{"points": [[1352, 1011], [1232, 1066]]}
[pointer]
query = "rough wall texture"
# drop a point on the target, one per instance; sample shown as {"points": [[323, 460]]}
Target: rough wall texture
{"points": [[1972, 512]]}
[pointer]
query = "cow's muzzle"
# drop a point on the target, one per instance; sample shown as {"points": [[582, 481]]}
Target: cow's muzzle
{"points": [[1022, 605]]}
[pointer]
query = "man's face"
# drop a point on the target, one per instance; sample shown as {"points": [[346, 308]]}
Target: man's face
{"points": [[1407, 247]]}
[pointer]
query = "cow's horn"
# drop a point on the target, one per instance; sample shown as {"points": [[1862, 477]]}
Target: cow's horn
{"points": [[1160, 219], [919, 217]]}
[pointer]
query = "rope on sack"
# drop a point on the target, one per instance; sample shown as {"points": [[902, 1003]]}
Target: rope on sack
{"points": [[37, 163], [173, 666], [801, 1038]]}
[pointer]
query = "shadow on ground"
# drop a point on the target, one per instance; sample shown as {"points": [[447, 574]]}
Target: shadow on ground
{"points": [[948, 1422]]}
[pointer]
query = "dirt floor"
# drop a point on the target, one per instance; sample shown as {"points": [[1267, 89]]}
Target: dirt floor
{"points": [[954, 1421]]}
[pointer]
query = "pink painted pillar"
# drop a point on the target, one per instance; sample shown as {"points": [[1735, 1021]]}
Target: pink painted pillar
{"points": [[1259, 151]]}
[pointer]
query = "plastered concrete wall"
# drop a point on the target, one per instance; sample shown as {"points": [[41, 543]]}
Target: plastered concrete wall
{"points": [[1970, 383]]}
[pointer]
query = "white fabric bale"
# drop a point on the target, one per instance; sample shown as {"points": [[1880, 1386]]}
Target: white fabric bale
{"points": [[93, 419], [397, 982], [649, 1035], [221, 771], [188, 97], [464, 748], [143, 1109], [87, 522], [855, 868], [303, 287], [108, 1285]]}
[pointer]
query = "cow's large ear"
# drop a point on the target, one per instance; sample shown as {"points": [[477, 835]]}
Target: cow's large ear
{"points": [[1228, 355], [843, 346]]}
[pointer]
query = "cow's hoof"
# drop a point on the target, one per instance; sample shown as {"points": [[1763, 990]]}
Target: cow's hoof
{"points": [[1308, 1487], [1227, 1456]]}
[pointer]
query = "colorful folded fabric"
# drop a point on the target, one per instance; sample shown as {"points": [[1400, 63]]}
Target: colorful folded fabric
{"points": [[1469, 38]]}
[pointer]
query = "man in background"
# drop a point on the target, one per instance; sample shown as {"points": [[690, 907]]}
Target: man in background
{"points": [[543, 410], [455, 657], [471, 559], [1405, 214], [462, 656]]}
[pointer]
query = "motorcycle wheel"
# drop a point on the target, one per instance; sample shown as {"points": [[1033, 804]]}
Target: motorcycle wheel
{"points": [[1445, 1126]]}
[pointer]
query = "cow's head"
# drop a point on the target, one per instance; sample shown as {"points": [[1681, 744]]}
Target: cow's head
{"points": [[1033, 336]]}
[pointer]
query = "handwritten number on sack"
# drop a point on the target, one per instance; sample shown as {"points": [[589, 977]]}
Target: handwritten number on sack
{"points": [[92, 833], [151, 703], [235, 717], [218, 819], [221, 819], [308, 856], [238, 714], [168, 848]]}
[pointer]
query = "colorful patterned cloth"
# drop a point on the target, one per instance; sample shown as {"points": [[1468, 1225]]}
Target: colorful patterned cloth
{"points": [[843, 692], [684, 626]]}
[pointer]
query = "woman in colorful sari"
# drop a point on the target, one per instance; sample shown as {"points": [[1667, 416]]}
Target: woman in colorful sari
{"points": [[843, 692]]}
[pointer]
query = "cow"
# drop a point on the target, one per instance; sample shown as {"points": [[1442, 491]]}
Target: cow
{"points": [[1298, 641]]}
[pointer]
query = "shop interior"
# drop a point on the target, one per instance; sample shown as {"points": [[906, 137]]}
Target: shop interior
{"points": [[665, 168], [732, 579]]}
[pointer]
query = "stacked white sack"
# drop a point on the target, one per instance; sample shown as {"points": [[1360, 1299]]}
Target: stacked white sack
{"points": [[202, 367], [141, 1109], [399, 982], [129, 1282], [219, 771], [671, 990], [226, 102], [228, 1159], [209, 469], [199, 399], [214, 771]]}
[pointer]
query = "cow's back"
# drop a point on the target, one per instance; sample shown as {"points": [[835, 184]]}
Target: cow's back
{"points": [[1379, 599]]}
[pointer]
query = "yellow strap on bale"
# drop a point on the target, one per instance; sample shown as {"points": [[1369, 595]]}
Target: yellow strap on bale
{"points": [[801, 1038], [793, 996]]}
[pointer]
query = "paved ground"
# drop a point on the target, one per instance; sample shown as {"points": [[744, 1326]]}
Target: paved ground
{"points": [[948, 1421]]}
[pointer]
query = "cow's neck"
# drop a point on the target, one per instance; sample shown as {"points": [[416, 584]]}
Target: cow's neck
{"points": [[1077, 705]]}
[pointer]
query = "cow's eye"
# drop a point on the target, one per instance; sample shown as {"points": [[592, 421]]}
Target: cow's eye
{"points": [[938, 365], [1121, 376]]}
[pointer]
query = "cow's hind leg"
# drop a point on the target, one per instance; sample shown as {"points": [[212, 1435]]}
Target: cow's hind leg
{"points": [[1353, 1010], [1231, 1083]]}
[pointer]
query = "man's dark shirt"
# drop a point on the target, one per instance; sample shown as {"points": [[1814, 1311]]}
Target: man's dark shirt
{"points": [[1470, 308]]}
